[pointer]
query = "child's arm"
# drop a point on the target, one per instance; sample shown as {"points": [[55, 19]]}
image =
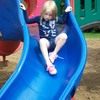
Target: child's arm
{"points": [[63, 19], [27, 19]]}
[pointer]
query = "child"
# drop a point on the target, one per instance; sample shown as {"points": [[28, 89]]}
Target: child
{"points": [[48, 32]]}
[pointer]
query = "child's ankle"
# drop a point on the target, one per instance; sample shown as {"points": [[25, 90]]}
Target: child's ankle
{"points": [[48, 63]]}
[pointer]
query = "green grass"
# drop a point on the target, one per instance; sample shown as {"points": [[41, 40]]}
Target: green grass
{"points": [[92, 35]]}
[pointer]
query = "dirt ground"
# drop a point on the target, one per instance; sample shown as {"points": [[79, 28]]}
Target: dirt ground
{"points": [[89, 87]]}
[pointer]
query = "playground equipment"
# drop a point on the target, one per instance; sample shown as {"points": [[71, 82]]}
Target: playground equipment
{"points": [[8, 47], [34, 7], [87, 12], [30, 81]]}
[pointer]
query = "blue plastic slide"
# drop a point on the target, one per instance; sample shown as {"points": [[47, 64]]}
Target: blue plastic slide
{"points": [[30, 80]]}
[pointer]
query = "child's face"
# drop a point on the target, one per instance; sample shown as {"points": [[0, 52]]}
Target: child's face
{"points": [[47, 15]]}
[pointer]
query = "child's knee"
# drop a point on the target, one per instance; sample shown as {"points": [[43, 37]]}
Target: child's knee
{"points": [[43, 41], [64, 36]]}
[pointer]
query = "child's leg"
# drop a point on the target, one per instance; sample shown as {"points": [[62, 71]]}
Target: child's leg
{"points": [[60, 41], [44, 45]]}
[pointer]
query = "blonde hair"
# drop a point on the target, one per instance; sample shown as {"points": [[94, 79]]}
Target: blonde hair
{"points": [[51, 5]]}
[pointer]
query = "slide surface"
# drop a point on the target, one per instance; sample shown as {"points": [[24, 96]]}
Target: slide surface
{"points": [[30, 80]]}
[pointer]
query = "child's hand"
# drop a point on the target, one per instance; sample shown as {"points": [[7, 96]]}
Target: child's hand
{"points": [[68, 9], [22, 6]]}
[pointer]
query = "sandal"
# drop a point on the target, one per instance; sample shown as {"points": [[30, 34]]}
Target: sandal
{"points": [[51, 69], [52, 57]]}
